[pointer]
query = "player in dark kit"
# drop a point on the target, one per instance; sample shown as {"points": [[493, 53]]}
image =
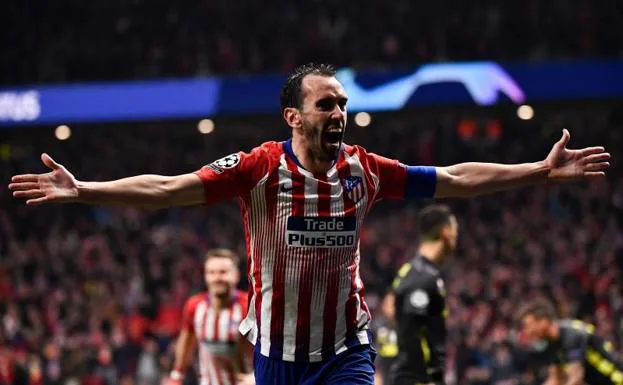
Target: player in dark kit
{"points": [[586, 357], [420, 302]]}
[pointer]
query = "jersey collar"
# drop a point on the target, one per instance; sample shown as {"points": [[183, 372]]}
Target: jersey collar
{"points": [[287, 147]]}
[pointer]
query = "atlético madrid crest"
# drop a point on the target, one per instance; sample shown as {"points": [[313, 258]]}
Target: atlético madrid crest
{"points": [[353, 187]]}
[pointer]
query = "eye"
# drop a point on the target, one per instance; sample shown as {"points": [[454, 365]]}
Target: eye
{"points": [[342, 104], [325, 104]]}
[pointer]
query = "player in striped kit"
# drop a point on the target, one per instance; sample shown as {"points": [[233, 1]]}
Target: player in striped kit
{"points": [[303, 203], [211, 321]]}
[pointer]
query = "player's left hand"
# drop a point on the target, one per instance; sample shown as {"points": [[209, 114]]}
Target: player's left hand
{"points": [[245, 379], [568, 165]]}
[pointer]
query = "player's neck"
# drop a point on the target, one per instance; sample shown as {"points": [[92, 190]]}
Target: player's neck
{"points": [[434, 251], [220, 302], [307, 159]]}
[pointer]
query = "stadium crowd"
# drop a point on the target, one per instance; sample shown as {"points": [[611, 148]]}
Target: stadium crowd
{"points": [[93, 295], [77, 41]]}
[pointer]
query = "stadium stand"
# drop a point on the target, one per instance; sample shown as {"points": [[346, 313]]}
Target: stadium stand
{"points": [[95, 293], [71, 42]]}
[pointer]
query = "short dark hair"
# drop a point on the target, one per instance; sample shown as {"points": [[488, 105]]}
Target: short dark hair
{"points": [[539, 308], [223, 253], [291, 95], [432, 219]]}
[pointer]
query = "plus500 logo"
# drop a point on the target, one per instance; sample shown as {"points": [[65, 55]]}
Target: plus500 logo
{"points": [[19, 106], [321, 231]]}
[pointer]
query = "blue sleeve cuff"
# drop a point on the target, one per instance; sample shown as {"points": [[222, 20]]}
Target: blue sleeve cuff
{"points": [[421, 182]]}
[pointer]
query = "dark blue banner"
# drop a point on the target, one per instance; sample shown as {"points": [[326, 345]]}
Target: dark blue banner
{"points": [[477, 83]]}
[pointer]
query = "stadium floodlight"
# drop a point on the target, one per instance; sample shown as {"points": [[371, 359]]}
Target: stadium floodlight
{"points": [[525, 112], [206, 126], [62, 132], [363, 119]]}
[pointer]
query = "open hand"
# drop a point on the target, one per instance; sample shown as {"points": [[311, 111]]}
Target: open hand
{"points": [[58, 185], [567, 165]]}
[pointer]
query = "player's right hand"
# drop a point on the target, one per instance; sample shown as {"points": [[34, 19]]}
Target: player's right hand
{"points": [[58, 185]]}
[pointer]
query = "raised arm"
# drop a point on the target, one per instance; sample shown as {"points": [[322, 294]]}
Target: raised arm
{"points": [[145, 191], [561, 164]]}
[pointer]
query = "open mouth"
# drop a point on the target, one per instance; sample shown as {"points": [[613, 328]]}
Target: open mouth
{"points": [[333, 136]]}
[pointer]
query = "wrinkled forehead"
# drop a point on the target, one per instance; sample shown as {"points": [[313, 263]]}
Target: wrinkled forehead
{"points": [[318, 87]]}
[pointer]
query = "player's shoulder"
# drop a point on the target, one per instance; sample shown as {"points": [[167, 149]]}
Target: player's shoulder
{"points": [[368, 159], [576, 327], [412, 275], [265, 151], [419, 280], [357, 150], [270, 147], [574, 333], [421, 266], [570, 323], [353, 149], [193, 301], [267, 154], [256, 162]]}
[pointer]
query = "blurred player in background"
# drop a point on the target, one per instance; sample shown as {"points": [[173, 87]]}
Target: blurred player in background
{"points": [[574, 353], [386, 339], [304, 201], [420, 301], [211, 320]]}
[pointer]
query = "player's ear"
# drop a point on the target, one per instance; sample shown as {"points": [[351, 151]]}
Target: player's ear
{"points": [[293, 117]]}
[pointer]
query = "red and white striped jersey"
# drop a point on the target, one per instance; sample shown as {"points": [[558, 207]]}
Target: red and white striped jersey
{"points": [[302, 234], [222, 350]]}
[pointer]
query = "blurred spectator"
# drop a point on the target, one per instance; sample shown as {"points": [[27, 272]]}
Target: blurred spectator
{"points": [[503, 370], [148, 371], [111, 40]]}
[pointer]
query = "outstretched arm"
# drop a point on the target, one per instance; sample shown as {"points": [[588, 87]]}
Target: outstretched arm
{"points": [[146, 191], [562, 164], [472, 179]]}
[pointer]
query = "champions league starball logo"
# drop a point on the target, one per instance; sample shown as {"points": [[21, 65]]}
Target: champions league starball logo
{"points": [[220, 165], [484, 81]]}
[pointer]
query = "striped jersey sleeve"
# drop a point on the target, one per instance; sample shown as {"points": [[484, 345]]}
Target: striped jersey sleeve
{"points": [[234, 175]]}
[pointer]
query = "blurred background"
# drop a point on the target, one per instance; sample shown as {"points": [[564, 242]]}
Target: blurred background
{"points": [[93, 295]]}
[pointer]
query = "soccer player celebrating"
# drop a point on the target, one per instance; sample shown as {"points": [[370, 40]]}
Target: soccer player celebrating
{"points": [[421, 304], [572, 344], [211, 320], [303, 202]]}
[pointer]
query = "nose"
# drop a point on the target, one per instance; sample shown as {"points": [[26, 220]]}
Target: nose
{"points": [[337, 114]]}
